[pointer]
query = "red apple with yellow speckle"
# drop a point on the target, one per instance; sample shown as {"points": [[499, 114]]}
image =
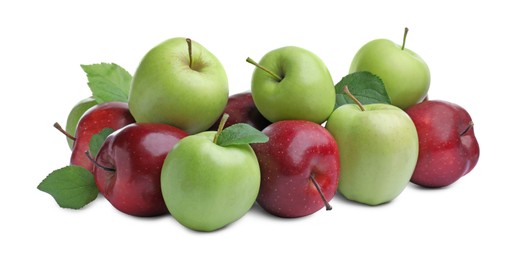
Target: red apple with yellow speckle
{"points": [[299, 167], [448, 148]]}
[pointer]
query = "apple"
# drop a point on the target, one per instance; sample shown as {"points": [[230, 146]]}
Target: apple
{"points": [[299, 166], [128, 165], [74, 116], [405, 74], [112, 115], [207, 186], [242, 109], [448, 148], [292, 83], [378, 147], [180, 83]]}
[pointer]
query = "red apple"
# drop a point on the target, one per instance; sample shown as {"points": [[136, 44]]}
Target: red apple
{"points": [[128, 166], [242, 109], [299, 168], [448, 148], [112, 115]]}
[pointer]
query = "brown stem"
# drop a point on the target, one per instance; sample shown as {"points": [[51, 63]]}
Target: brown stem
{"points": [[470, 125], [326, 204], [404, 37], [278, 78], [346, 90], [221, 126], [99, 165], [189, 44], [59, 127]]}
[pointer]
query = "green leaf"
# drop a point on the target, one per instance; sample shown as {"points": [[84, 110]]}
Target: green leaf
{"points": [[365, 86], [241, 134], [72, 187], [108, 82], [97, 140]]}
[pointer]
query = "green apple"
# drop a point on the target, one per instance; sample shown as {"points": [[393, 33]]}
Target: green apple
{"points": [[180, 83], [207, 186], [405, 74], [75, 114], [378, 146], [292, 83]]}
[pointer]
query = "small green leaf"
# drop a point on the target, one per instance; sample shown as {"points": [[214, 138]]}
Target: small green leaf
{"points": [[365, 86], [108, 82], [241, 134], [97, 140], [72, 187]]}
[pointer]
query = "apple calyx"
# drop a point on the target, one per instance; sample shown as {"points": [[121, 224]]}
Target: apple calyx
{"points": [[326, 204], [346, 90], [221, 126], [251, 61], [105, 168], [59, 127], [404, 37], [470, 125], [189, 46]]}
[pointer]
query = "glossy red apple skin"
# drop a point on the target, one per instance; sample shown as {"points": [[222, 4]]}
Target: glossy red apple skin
{"points": [[242, 109], [136, 152], [447, 150], [296, 149], [113, 115]]}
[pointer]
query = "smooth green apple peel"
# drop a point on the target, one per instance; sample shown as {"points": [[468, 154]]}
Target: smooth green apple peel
{"points": [[387, 136], [166, 90], [206, 186], [404, 37], [301, 87], [405, 75], [251, 61]]}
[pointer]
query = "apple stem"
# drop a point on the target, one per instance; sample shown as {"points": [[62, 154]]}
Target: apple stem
{"points": [[189, 45], [278, 78], [59, 127], [326, 204], [221, 126], [97, 164], [470, 125], [404, 37], [346, 90]]}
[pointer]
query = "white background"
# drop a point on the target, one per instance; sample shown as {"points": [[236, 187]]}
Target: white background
{"points": [[467, 47]]}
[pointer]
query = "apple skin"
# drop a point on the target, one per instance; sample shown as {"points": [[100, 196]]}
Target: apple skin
{"points": [[166, 90], [242, 109], [444, 154], [306, 91], [296, 150], [136, 152], [405, 74], [207, 186], [114, 115], [378, 151], [75, 114]]}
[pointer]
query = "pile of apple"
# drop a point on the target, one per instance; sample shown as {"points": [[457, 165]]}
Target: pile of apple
{"points": [[170, 139]]}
